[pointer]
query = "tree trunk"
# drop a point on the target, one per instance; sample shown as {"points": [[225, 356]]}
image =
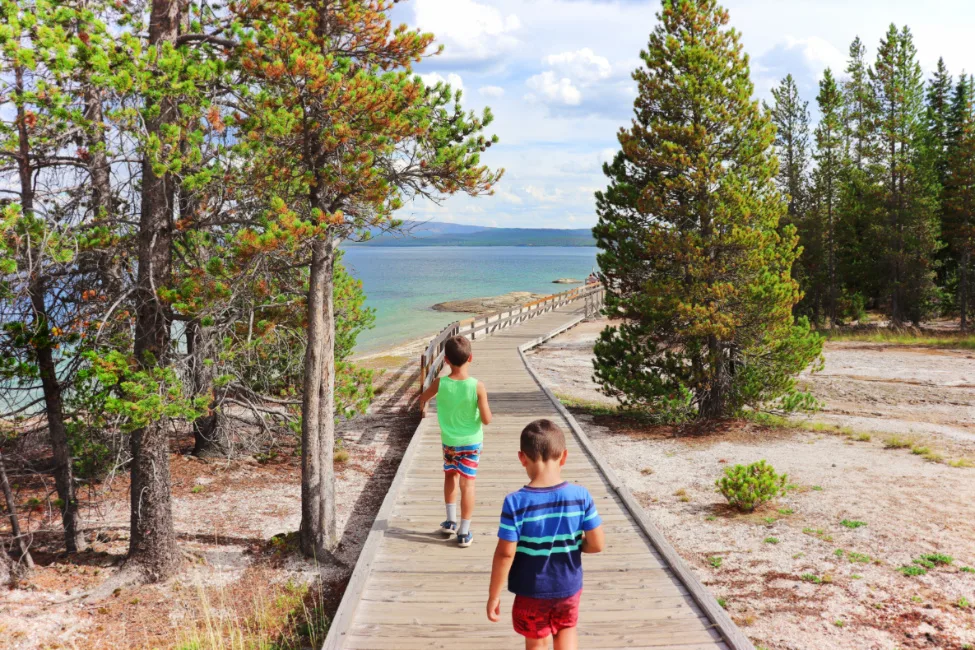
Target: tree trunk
{"points": [[963, 287], [211, 437], [713, 403], [318, 535], [74, 539], [152, 544], [8, 496]]}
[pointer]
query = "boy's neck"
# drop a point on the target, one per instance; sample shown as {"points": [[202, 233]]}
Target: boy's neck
{"points": [[460, 373], [546, 475]]}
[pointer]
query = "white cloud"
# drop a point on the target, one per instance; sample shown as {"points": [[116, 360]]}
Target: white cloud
{"points": [[433, 78], [510, 197], [584, 65], [539, 194], [491, 91], [470, 31], [554, 89]]}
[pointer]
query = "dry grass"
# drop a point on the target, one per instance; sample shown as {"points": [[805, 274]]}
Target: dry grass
{"points": [[944, 340], [278, 617]]}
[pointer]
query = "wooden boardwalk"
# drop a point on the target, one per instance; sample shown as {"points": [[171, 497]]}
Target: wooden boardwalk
{"points": [[412, 589]]}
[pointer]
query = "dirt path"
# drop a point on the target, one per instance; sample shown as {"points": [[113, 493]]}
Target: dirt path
{"points": [[227, 516], [792, 575]]}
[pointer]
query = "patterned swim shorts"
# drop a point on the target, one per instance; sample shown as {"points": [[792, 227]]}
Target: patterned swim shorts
{"points": [[461, 459], [537, 618]]}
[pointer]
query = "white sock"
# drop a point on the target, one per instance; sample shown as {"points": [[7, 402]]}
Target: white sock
{"points": [[465, 527], [451, 512]]}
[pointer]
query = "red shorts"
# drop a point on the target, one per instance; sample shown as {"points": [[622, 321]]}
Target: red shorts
{"points": [[537, 618]]}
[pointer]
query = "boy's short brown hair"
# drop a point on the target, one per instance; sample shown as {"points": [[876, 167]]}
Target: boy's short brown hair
{"points": [[457, 350], [542, 439]]}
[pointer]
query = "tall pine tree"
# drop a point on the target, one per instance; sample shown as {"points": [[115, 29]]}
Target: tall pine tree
{"points": [[790, 115], [827, 183], [909, 235], [696, 268], [938, 120], [959, 195], [858, 251]]}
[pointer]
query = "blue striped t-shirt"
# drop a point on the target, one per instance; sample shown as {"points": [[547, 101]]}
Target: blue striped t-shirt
{"points": [[547, 523]]}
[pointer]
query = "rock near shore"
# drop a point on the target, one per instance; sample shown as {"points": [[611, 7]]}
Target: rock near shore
{"points": [[489, 304], [566, 281]]}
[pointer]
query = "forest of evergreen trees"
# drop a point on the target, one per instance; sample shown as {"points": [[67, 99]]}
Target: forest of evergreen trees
{"points": [[882, 189]]}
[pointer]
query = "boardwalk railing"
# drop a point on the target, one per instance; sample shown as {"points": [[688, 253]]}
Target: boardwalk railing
{"points": [[432, 359]]}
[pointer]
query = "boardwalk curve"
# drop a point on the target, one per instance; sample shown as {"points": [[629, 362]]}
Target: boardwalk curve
{"points": [[411, 589]]}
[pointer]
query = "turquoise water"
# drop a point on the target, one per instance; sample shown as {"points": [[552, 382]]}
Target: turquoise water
{"points": [[402, 284]]}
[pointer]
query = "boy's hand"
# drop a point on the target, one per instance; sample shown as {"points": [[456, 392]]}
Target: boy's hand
{"points": [[423, 410], [494, 609]]}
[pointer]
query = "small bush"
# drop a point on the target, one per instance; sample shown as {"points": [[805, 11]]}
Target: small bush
{"points": [[748, 486], [912, 570], [937, 558], [961, 462], [811, 577], [771, 540], [897, 442], [963, 603], [853, 523], [715, 561], [859, 558], [968, 569]]}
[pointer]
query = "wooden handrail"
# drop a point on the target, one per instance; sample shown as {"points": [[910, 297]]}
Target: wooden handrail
{"points": [[432, 359]]}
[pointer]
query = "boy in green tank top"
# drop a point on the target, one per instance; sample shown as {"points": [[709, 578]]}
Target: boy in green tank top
{"points": [[462, 410]]}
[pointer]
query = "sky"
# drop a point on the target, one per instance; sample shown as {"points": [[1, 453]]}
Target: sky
{"points": [[556, 74]]}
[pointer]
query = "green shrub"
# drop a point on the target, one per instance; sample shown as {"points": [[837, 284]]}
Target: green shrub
{"points": [[937, 558], [912, 570], [853, 523], [748, 486]]}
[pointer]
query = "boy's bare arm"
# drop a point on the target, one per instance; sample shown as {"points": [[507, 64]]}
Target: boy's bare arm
{"points": [[482, 403], [428, 395], [594, 540], [504, 555]]}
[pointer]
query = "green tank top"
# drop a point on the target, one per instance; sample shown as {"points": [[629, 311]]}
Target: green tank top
{"points": [[457, 412]]}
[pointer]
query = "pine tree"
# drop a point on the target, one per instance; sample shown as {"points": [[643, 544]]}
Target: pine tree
{"points": [[827, 181], [859, 106], [790, 115], [938, 119], [959, 201], [910, 228], [858, 251], [339, 131], [695, 266]]}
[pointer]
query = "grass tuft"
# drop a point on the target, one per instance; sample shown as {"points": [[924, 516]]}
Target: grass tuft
{"points": [[912, 570], [771, 540], [715, 561], [852, 523]]}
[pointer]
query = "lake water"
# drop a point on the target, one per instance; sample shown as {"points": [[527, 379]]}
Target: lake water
{"points": [[402, 284]]}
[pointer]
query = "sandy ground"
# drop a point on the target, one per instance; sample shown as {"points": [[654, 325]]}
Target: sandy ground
{"points": [[489, 304], [791, 575], [226, 516]]}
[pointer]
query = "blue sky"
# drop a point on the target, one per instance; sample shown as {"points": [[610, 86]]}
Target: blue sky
{"points": [[556, 74]]}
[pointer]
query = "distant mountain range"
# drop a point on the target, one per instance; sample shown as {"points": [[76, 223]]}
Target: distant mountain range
{"points": [[437, 233]]}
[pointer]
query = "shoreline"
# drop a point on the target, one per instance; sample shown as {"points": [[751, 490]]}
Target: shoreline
{"points": [[411, 346]]}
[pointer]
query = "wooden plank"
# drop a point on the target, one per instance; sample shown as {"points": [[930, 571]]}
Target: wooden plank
{"points": [[704, 598], [413, 588]]}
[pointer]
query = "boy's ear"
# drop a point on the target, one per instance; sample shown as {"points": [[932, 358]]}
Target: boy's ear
{"points": [[470, 358], [523, 458], [565, 455]]}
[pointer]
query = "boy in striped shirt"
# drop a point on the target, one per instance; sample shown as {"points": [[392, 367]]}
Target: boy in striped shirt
{"points": [[546, 526]]}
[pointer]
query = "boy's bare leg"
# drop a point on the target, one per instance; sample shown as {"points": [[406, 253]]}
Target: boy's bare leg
{"points": [[567, 639], [537, 644], [450, 487], [466, 498]]}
